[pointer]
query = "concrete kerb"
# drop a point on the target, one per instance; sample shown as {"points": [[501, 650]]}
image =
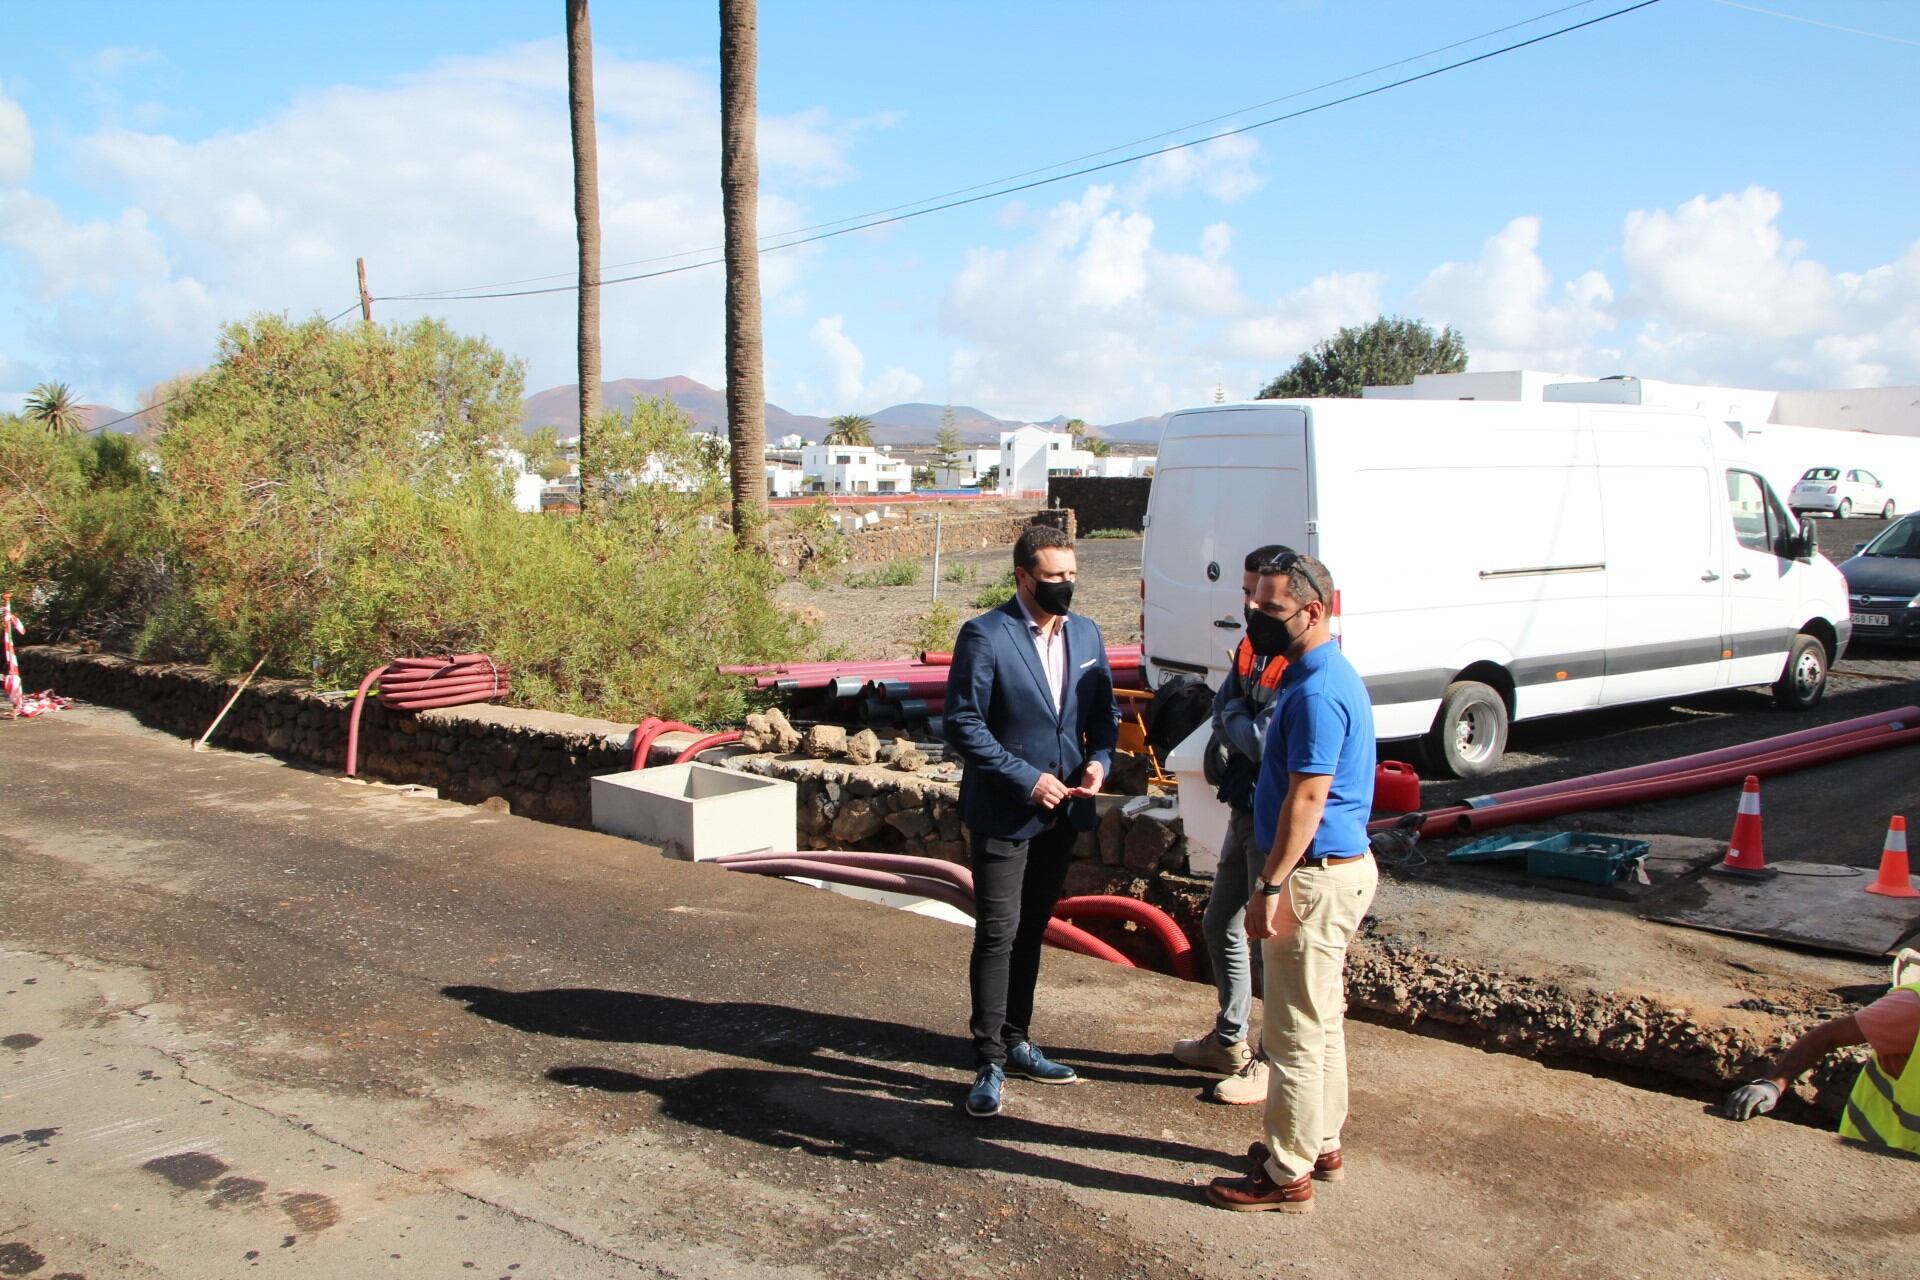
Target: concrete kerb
{"points": [[1680, 1027]]}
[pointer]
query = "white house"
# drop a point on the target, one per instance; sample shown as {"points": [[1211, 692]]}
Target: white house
{"points": [[1877, 428], [783, 481], [969, 466], [1030, 453], [847, 468]]}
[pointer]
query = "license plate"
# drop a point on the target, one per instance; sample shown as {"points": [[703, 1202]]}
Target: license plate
{"points": [[1870, 620]]}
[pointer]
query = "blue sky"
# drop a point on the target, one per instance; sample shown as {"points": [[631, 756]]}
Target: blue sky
{"points": [[1701, 190]]}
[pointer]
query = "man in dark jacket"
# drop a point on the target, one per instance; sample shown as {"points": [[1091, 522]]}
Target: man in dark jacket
{"points": [[1030, 712], [1241, 709]]}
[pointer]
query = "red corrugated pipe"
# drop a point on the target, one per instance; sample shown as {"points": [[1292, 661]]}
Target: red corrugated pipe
{"points": [[1059, 932], [707, 743], [649, 729], [421, 684], [1155, 921]]}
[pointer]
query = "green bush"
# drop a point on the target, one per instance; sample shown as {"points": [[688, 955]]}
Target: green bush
{"points": [[960, 574], [894, 573], [1111, 533], [81, 543], [333, 499], [994, 595], [938, 628]]}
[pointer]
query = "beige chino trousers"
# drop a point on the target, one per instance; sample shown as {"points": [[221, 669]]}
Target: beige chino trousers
{"points": [[1305, 1009]]}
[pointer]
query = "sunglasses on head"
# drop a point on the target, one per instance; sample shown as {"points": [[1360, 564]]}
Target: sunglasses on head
{"points": [[1286, 565]]}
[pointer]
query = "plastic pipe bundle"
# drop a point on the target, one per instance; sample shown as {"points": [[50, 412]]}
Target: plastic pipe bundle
{"points": [[953, 884], [1666, 779], [422, 684]]}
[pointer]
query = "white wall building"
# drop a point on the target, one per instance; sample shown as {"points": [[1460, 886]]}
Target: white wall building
{"points": [[1877, 428], [783, 481], [1030, 453], [969, 466], [844, 468]]}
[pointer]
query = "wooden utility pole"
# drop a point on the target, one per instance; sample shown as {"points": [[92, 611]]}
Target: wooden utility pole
{"points": [[366, 299]]}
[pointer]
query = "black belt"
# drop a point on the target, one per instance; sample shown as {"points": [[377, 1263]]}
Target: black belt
{"points": [[1332, 861]]}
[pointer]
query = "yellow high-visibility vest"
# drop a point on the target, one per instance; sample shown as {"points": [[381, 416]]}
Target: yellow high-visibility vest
{"points": [[1885, 1112]]}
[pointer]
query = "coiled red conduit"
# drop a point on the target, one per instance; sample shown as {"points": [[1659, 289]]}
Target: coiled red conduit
{"points": [[421, 684], [1060, 932]]}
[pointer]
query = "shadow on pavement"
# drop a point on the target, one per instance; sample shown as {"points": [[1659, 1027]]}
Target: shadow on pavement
{"points": [[837, 1093]]}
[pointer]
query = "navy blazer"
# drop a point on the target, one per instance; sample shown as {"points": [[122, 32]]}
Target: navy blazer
{"points": [[1001, 721]]}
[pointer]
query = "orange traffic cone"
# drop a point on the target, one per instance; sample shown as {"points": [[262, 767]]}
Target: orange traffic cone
{"points": [[1746, 852], [1895, 879]]}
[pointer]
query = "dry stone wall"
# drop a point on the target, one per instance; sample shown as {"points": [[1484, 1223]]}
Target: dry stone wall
{"points": [[1100, 502]]}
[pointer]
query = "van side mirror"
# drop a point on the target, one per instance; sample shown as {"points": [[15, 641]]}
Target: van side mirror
{"points": [[1807, 544]]}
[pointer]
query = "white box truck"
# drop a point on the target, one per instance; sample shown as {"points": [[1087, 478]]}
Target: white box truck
{"points": [[1495, 561]]}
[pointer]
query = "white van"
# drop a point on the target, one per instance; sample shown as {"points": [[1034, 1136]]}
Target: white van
{"points": [[1495, 561]]}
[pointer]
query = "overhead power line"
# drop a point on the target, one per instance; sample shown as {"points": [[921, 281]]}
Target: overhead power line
{"points": [[774, 236], [1015, 188], [1815, 22]]}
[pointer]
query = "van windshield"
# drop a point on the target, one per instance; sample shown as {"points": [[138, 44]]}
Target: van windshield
{"points": [[1822, 473], [1903, 540]]}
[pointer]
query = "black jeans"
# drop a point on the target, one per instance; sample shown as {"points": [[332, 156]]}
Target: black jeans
{"points": [[1015, 885]]}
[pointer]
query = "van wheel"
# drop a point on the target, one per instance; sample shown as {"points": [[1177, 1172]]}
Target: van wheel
{"points": [[1805, 679], [1845, 509], [1886, 512], [1470, 734]]}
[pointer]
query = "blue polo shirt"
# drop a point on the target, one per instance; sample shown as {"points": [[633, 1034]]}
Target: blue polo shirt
{"points": [[1322, 723]]}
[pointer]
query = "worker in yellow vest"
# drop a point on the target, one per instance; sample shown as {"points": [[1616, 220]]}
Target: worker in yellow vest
{"points": [[1884, 1108]]}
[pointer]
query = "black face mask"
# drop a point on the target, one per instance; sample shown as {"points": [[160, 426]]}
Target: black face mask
{"points": [[1269, 635], [1054, 597]]}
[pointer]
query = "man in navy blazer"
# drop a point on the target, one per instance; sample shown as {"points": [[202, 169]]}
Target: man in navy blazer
{"points": [[1030, 712]]}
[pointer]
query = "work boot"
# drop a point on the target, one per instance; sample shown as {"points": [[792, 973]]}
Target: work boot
{"points": [[1258, 1192], [1328, 1168], [1211, 1053], [1245, 1086]]}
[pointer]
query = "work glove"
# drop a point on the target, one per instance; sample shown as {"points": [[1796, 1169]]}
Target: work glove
{"points": [[1750, 1100]]}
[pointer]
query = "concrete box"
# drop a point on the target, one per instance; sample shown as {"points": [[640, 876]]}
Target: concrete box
{"points": [[696, 811], [1203, 816]]}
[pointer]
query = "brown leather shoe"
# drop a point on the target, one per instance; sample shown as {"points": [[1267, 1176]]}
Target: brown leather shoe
{"points": [[1328, 1168], [1258, 1192]]}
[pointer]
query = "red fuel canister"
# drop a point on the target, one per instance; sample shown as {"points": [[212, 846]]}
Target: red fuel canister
{"points": [[1396, 788]]}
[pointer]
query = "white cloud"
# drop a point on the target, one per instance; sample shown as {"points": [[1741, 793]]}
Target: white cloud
{"points": [[1081, 316], [1502, 305], [16, 143], [1725, 265], [1729, 297], [847, 365], [1222, 168], [1277, 335], [450, 176]]}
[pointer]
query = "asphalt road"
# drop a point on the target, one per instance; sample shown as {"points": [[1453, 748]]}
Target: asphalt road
{"points": [[257, 1020]]}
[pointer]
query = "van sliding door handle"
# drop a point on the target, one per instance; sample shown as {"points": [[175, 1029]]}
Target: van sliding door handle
{"points": [[1227, 624], [1742, 576], [1709, 576]]}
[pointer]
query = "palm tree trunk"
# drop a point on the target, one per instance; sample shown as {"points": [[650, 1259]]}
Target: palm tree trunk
{"points": [[740, 200], [586, 209]]}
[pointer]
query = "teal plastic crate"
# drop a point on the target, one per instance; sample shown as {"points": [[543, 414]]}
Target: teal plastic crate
{"points": [[1570, 855]]}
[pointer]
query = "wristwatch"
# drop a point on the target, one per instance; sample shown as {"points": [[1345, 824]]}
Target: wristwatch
{"points": [[1266, 887]]}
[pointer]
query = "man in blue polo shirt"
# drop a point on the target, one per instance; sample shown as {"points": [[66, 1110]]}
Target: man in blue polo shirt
{"points": [[1310, 814]]}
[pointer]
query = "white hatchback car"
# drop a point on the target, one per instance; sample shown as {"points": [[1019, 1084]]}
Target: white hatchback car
{"points": [[1841, 493]]}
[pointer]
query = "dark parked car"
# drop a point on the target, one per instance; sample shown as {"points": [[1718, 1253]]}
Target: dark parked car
{"points": [[1883, 584]]}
